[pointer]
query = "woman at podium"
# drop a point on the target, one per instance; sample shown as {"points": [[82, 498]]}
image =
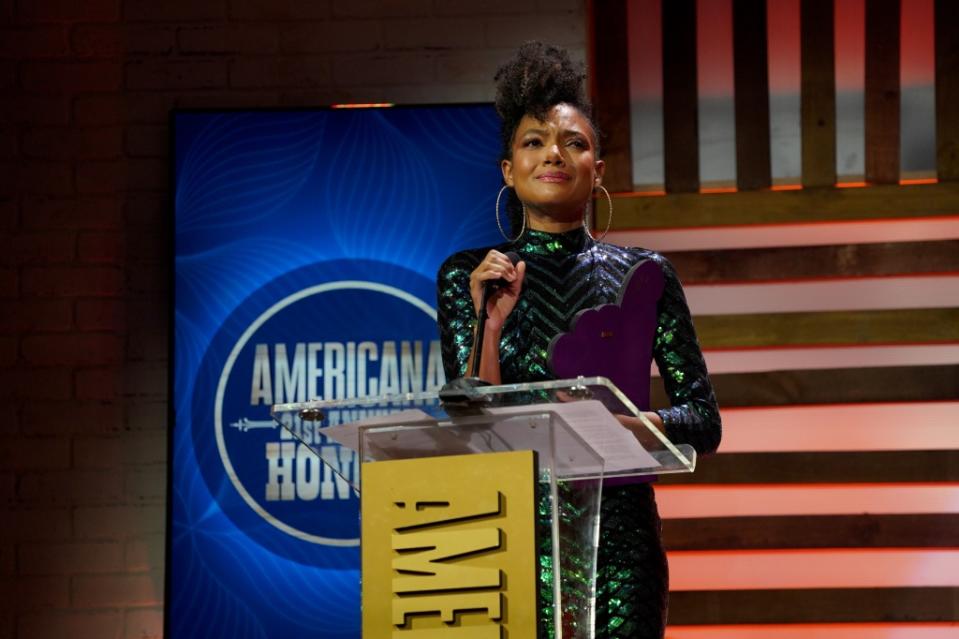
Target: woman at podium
{"points": [[551, 168]]}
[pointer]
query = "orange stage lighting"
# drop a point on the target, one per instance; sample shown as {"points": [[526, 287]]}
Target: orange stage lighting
{"points": [[755, 359], [735, 236], [819, 631], [815, 295], [363, 105], [712, 500], [718, 189], [842, 427], [820, 568]]}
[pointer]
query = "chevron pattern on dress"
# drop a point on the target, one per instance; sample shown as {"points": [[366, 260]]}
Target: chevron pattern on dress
{"points": [[567, 273]]}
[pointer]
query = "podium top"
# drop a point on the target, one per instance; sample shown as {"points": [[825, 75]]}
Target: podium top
{"points": [[495, 403]]}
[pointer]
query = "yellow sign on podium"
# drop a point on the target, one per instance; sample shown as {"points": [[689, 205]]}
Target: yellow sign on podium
{"points": [[449, 547]]}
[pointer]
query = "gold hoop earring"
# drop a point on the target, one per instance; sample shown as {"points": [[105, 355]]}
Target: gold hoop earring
{"points": [[609, 220], [500, 224]]}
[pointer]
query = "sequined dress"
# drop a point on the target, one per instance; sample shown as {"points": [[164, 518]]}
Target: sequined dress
{"points": [[566, 273]]}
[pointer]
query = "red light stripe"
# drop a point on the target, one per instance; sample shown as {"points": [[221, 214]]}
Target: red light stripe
{"points": [[752, 359], [852, 427], [850, 61], [828, 568], [712, 500], [909, 219], [825, 279], [782, 35], [865, 293], [714, 50], [759, 236], [645, 193], [917, 51], [818, 631], [363, 105], [832, 345], [706, 190]]}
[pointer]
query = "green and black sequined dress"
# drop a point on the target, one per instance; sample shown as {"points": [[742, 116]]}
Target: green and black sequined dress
{"points": [[566, 273]]}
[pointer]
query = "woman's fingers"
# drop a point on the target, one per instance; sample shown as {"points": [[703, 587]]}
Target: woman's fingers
{"points": [[496, 266], [493, 267], [499, 259], [519, 273]]}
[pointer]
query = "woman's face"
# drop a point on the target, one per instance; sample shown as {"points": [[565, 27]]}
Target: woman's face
{"points": [[554, 166]]}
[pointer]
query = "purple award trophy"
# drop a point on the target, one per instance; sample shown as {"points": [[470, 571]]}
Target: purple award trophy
{"points": [[615, 340]]}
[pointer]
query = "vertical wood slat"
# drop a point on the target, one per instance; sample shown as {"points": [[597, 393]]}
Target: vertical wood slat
{"points": [[751, 81], [680, 97], [882, 91], [947, 89], [818, 99], [610, 55]]}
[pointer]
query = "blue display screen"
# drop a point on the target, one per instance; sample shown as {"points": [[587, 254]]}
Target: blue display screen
{"points": [[306, 247]]}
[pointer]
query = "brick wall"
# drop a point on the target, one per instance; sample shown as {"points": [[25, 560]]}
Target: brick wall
{"points": [[85, 91]]}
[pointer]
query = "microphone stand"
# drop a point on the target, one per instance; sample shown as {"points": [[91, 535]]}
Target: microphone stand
{"points": [[460, 392]]}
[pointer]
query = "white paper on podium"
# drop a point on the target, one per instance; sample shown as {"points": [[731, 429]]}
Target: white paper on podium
{"points": [[598, 428], [349, 434], [594, 424]]}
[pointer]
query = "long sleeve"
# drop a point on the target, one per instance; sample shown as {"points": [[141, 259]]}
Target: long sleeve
{"points": [[694, 416], [455, 314]]}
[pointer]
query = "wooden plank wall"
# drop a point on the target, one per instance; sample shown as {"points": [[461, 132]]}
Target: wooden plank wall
{"points": [[680, 94], [830, 320], [947, 89], [751, 82], [818, 93], [882, 92]]}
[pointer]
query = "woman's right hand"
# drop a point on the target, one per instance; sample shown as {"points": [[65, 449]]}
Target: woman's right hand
{"points": [[493, 267]]}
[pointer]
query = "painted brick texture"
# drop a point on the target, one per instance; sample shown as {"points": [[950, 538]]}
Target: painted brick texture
{"points": [[86, 89]]}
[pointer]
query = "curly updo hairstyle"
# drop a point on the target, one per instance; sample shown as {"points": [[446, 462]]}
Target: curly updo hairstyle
{"points": [[534, 80]]}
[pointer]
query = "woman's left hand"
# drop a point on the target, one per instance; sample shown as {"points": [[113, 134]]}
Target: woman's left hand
{"points": [[636, 425]]}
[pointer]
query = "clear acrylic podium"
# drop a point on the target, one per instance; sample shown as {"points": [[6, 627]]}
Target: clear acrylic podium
{"points": [[583, 431]]}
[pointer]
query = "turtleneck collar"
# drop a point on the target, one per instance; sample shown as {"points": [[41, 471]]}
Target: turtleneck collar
{"points": [[546, 243]]}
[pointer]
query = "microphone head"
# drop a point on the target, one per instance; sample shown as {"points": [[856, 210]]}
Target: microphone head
{"points": [[513, 257]]}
